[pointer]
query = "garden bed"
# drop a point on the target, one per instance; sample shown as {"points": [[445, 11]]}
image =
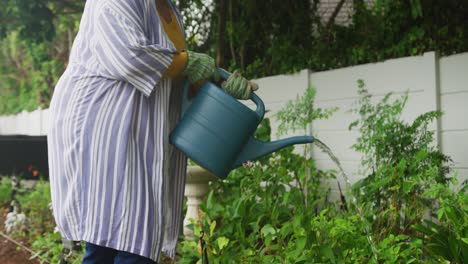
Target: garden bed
{"points": [[9, 252], [407, 208]]}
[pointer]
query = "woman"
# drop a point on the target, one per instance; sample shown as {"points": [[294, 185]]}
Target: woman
{"points": [[116, 182]]}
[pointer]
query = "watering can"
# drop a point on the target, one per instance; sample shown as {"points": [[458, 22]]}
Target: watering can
{"points": [[217, 131]]}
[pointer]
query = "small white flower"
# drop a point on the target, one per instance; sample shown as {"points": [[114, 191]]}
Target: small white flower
{"points": [[248, 164], [14, 221]]}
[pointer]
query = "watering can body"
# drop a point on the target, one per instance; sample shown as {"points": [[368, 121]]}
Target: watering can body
{"points": [[216, 131]]}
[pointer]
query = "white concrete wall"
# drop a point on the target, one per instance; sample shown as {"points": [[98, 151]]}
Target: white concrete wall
{"points": [[339, 88], [25, 123], [433, 83], [453, 79]]}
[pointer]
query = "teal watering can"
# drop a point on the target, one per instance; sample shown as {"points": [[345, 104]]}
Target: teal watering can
{"points": [[217, 131]]}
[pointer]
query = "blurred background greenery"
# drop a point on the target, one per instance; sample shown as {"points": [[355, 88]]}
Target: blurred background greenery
{"points": [[261, 38]]}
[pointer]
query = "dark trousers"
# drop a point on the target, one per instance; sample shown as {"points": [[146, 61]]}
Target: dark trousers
{"points": [[102, 255]]}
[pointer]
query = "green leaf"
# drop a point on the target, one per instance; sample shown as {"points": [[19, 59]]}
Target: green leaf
{"points": [[209, 201], [353, 124], [465, 240], [328, 253], [407, 186], [222, 242], [212, 227], [440, 214], [286, 229], [423, 229], [300, 243], [267, 230]]}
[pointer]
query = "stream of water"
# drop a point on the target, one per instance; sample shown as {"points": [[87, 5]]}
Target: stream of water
{"points": [[322, 146]]}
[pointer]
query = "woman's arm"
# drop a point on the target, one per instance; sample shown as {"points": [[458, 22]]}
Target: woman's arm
{"points": [[124, 50]]}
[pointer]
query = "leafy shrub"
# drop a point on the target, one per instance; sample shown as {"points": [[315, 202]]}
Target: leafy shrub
{"points": [[262, 212], [338, 237], [447, 237], [400, 161], [49, 247], [36, 205], [258, 214]]}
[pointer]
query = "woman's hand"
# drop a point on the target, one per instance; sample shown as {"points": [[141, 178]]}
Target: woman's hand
{"points": [[200, 67], [238, 86]]}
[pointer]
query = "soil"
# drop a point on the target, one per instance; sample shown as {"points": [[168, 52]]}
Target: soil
{"points": [[9, 252]]}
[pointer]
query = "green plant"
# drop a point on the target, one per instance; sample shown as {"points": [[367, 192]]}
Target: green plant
{"points": [[261, 213], [49, 247], [400, 161], [447, 237], [298, 115], [39, 231], [258, 213], [338, 237], [400, 249], [35, 204], [31, 57], [5, 191]]}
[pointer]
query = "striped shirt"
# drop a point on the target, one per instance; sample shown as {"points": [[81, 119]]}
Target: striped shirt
{"points": [[115, 179]]}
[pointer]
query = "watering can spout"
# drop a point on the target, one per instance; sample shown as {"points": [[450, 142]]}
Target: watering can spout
{"points": [[255, 149]]}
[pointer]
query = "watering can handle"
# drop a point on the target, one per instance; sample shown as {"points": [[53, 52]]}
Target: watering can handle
{"points": [[260, 105], [223, 73], [258, 102]]}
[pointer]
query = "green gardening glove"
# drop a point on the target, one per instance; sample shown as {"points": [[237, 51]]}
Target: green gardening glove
{"points": [[200, 67], [238, 86]]}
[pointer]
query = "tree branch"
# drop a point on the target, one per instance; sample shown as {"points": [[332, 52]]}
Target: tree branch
{"points": [[220, 38], [334, 14]]}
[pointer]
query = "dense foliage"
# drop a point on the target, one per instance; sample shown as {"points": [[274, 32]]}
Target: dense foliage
{"points": [[272, 37], [262, 212], [261, 38], [406, 179], [35, 41], [278, 209], [400, 162], [406, 209], [446, 235]]}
